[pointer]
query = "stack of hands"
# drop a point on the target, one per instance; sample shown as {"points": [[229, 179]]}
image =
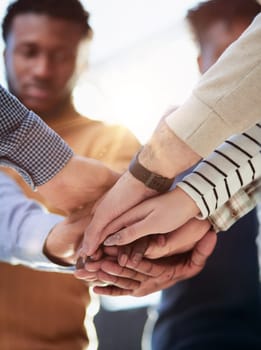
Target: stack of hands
{"points": [[132, 240]]}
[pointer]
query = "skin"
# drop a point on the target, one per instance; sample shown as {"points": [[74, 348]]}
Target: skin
{"points": [[129, 192], [156, 154], [139, 278], [41, 61], [216, 39], [140, 223], [82, 181]]}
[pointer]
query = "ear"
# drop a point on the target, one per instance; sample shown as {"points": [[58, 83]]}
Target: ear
{"points": [[200, 63]]}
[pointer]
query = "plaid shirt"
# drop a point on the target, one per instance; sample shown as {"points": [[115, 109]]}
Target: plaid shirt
{"points": [[239, 205], [28, 144]]}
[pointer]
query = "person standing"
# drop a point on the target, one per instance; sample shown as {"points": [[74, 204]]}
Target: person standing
{"points": [[221, 307], [44, 45]]}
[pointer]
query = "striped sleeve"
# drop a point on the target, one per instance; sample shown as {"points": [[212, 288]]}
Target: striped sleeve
{"points": [[233, 165]]}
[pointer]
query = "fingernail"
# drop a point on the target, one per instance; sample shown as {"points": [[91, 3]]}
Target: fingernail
{"points": [[90, 268], [112, 240], [137, 258], [80, 263], [161, 240], [123, 260]]}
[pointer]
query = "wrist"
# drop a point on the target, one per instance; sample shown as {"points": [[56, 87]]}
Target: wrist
{"points": [[166, 154], [52, 253], [150, 179]]}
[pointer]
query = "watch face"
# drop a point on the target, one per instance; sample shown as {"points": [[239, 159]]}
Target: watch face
{"points": [[150, 179]]}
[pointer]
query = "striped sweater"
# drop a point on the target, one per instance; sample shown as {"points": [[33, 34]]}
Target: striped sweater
{"points": [[232, 166]]}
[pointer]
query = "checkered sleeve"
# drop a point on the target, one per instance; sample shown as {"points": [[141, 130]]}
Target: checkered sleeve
{"points": [[28, 144], [239, 205], [233, 165]]}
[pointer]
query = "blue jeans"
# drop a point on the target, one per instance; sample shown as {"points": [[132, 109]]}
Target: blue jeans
{"points": [[220, 308]]}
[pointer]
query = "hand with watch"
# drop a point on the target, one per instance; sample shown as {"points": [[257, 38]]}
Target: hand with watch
{"points": [[133, 187], [154, 181]]}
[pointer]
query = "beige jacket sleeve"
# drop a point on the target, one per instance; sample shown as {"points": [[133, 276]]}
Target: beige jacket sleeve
{"points": [[227, 99]]}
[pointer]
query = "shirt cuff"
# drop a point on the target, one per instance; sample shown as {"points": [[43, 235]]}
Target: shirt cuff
{"points": [[193, 121], [29, 248], [238, 206]]}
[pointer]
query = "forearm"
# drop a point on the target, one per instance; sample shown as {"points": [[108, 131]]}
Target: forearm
{"points": [[24, 226], [166, 154], [234, 165], [226, 100]]}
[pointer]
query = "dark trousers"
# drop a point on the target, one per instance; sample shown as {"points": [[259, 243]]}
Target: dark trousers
{"points": [[219, 308]]}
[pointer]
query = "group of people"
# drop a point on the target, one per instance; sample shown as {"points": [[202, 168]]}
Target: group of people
{"points": [[167, 207]]}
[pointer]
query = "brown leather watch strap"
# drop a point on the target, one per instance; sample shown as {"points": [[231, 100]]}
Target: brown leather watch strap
{"points": [[150, 179]]}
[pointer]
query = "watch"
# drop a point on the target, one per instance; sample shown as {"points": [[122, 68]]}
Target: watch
{"points": [[150, 179]]}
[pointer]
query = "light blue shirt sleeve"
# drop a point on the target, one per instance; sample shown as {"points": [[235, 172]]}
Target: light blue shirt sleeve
{"points": [[24, 226]]}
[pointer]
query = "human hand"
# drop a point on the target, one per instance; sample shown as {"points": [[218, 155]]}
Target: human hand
{"points": [[63, 241], [161, 214], [156, 246], [147, 276], [127, 192], [81, 181], [157, 156]]}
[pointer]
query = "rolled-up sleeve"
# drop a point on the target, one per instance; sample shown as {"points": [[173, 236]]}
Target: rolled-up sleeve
{"points": [[226, 100]]}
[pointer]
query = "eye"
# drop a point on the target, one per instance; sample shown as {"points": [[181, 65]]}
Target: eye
{"points": [[62, 56], [28, 51]]}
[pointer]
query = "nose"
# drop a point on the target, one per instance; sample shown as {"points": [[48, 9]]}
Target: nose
{"points": [[43, 67]]}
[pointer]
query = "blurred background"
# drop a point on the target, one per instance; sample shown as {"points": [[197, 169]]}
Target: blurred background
{"points": [[141, 60]]}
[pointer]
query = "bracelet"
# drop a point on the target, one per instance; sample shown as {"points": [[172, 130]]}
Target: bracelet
{"points": [[152, 180]]}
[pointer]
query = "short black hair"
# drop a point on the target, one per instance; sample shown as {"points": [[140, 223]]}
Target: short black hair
{"points": [[70, 10], [203, 15]]}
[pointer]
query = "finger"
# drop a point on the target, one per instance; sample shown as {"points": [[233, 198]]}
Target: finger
{"points": [[182, 239], [97, 255], [98, 283], [204, 249], [93, 234], [130, 233], [88, 263], [153, 284], [121, 282], [166, 249], [129, 218], [198, 257], [106, 212], [179, 267], [124, 254], [134, 251], [111, 250], [85, 275], [112, 291], [93, 266], [114, 269], [152, 268]]}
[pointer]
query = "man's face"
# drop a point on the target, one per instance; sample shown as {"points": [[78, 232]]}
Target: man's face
{"points": [[216, 39], [40, 60]]}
